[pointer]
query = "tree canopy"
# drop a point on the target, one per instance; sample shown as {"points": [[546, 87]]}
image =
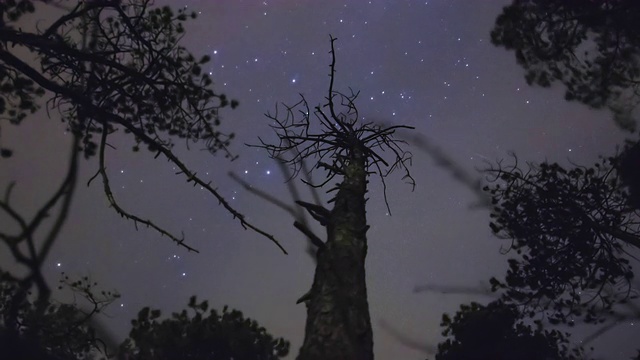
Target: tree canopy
{"points": [[592, 47], [106, 68], [111, 65], [496, 331], [571, 230], [195, 334], [114, 67], [51, 330], [66, 331]]}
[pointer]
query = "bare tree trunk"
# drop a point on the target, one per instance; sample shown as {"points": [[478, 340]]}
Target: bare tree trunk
{"points": [[338, 323]]}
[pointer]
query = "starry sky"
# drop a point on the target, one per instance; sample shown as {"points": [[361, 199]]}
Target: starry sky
{"points": [[428, 64]]}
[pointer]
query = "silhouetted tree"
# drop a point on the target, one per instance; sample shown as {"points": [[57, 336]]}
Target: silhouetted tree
{"points": [[496, 332], [30, 245], [194, 334], [574, 232], [114, 66], [69, 332], [61, 331], [108, 66], [338, 323], [628, 168], [592, 47]]}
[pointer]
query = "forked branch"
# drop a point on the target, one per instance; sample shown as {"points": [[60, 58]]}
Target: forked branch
{"points": [[331, 133]]}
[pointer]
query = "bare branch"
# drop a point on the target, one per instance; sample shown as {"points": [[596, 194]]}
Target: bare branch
{"points": [[102, 169], [318, 212], [110, 117], [263, 194], [569, 228], [315, 240], [341, 134]]}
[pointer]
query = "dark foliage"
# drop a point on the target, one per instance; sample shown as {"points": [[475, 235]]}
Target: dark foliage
{"points": [[496, 331], [628, 167], [571, 230], [592, 47], [111, 64], [113, 67], [60, 331], [194, 334], [66, 331]]}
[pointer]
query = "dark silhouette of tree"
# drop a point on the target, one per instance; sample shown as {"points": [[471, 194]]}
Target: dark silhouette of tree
{"points": [[195, 334], [107, 67], [32, 326], [61, 331], [574, 233], [628, 168], [297, 212], [496, 331], [70, 332], [338, 322], [592, 47], [29, 247], [113, 67]]}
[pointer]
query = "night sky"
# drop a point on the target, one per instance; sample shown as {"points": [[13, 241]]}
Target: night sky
{"points": [[426, 64]]}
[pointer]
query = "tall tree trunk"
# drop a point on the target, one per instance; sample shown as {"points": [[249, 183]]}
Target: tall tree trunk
{"points": [[338, 323]]}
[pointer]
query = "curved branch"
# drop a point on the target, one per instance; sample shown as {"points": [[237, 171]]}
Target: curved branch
{"points": [[102, 169], [101, 113]]}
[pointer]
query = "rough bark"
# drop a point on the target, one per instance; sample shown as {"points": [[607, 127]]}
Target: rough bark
{"points": [[338, 323]]}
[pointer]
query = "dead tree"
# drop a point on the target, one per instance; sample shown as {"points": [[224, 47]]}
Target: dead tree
{"points": [[338, 323]]}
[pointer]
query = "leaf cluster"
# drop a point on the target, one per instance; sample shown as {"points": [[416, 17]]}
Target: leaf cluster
{"points": [[18, 93], [592, 47], [569, 230], [61, 331], [117, 66], [195, 334], [65, 331], [113, 64], [496, 331], [627, 165]]}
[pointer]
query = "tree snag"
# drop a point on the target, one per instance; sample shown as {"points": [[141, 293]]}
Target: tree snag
{"points": [[338, 323]]}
